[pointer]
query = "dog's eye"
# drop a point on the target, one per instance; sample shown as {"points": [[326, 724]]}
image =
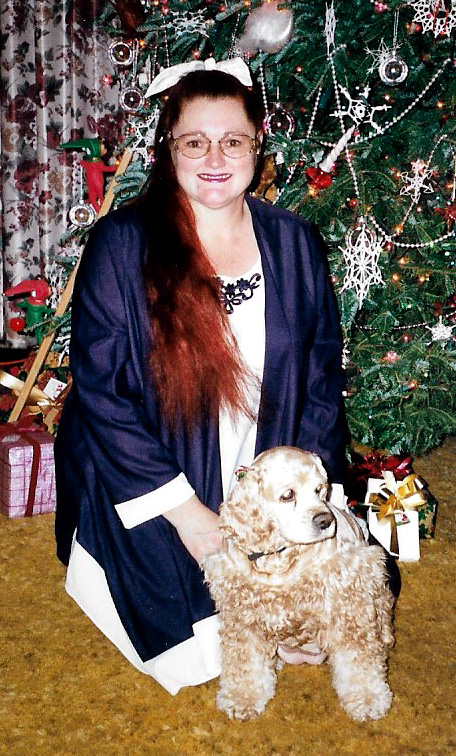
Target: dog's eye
{"points": [[288, 495], [321, 489]]}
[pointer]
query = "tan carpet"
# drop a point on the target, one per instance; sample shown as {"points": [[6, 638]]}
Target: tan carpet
{"points": [[65, 690]]}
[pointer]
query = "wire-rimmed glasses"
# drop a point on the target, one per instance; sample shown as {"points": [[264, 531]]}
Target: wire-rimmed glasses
{"points": [[197, 145]]}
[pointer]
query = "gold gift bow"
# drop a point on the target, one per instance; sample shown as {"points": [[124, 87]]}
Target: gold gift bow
{"points": [[400, 496], [37, 401]]}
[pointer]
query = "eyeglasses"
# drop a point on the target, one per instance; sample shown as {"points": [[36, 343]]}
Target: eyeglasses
{"points": [[197, 145]]}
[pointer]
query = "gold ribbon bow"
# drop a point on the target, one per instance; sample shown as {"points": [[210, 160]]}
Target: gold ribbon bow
{"points": [[397, 496], [38, 401]]}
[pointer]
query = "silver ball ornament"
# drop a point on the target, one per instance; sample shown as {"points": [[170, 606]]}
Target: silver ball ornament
{"points": [[267, 28], [131, 99], [82, 215], [279, 121], [393, 69], [121, 53]]}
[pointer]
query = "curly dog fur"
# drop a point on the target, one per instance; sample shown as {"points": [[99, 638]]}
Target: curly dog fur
{"points": [[295, 570]]}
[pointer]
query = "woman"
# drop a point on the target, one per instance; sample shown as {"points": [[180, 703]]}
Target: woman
{"points": [[204, 331]]}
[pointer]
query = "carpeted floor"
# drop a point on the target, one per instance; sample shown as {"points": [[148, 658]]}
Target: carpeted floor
{"points": [[65, 690]]}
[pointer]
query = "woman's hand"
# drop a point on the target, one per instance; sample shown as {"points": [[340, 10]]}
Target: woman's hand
{"points": [[197, 527]]}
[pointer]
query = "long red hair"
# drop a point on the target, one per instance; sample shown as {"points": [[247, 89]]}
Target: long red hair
{"points": [[195, 361]]}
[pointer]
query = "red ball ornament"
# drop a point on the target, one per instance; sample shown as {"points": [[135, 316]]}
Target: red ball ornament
{"points": [[406, 337], [381, 7], [17, 324], [318, 178], [391, 357], [449, 213]]}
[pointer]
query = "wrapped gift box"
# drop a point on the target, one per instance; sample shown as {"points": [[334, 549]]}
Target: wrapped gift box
{"points": [[427, 517], [17, 455], [371, 467], [406, 521]]}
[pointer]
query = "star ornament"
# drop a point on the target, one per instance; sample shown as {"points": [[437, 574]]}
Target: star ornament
{"points": [[440, 331], [437, 16], [377, 55]]}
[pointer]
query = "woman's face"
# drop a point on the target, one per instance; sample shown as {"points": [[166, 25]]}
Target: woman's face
{"points": [[214, 181]]}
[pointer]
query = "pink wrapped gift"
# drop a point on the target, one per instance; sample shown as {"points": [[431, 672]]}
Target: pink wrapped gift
{"points": [[27, 473]]}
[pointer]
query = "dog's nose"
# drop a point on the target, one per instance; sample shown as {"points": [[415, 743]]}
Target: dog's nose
{"points": [[322, 520]]}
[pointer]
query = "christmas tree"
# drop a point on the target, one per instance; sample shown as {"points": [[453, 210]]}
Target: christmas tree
{"points": [[360, 101]]}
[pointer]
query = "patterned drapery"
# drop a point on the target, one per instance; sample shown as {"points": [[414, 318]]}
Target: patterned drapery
{"points": [[52, 60]]}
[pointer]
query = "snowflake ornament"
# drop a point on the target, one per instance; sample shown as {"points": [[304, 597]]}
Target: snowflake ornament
{"points": [[189, 22], [330, 27], [415, 180], [54, 275], [144, 136], [377, 55], [437, 16], [361, 254], [440, 331], [359, 109]]}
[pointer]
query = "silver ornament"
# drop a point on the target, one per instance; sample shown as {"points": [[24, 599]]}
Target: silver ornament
{"points": [[82, 215], [267, 28], [280, 121], [393, 69], [121, 53], [131, 99]]}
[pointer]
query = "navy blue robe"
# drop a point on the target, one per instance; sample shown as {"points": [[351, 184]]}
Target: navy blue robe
{"points": [[113, 448]]}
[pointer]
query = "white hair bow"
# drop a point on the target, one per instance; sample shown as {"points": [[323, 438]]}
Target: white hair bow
{"points": [[170, 76]]}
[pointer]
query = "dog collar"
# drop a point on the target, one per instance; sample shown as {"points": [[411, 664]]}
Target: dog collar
{"points": [[257, 554]]}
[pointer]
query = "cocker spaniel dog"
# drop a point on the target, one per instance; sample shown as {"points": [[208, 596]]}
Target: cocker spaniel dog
{"points": [[295, 570]]}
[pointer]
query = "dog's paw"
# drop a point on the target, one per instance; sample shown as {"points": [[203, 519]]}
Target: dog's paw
{"points": [[362, 704], [241, 708], [241, 712]]}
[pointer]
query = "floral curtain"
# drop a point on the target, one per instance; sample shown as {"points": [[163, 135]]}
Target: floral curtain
{"points": [[55, 75]]}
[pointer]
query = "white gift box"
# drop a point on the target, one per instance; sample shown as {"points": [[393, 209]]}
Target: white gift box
{"points": [[406, 524]]}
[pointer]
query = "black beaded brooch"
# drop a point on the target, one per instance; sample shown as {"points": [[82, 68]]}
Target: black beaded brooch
{"points": [[236, 293]]}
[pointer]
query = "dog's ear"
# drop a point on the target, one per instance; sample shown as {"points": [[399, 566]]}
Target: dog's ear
{"points": [[319, 465], [348, 532], [323, 487], [245, 519], [235, 512]]}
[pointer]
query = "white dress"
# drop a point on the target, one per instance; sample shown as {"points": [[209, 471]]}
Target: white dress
{"points": [[244, 300]]}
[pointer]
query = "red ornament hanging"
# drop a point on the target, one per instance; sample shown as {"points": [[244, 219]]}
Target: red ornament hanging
{"points": [[449, 213], [391, 357], [318, 178], [17, 324], [447, 309]]}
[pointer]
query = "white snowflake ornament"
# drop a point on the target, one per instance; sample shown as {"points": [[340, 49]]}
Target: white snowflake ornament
{"points": [[440, 331], [437, 16], [359, 109], [415, 180], [144, 136], [184, 23], [377, 55], [330, 27], [361, 254]]}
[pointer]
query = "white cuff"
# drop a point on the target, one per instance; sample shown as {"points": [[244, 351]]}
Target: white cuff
{"points": [[136, 511]]}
